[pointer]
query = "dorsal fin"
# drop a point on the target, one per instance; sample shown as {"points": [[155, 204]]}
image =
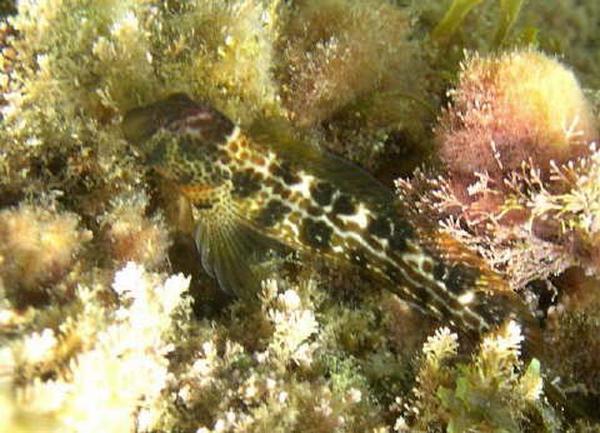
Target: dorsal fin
{"points": [[277, 135]]}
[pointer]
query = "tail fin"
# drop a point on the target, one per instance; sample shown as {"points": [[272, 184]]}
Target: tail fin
{"points": [[452, 283]]}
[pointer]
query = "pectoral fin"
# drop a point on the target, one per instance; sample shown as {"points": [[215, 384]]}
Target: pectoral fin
{"points": [[234, 253]]}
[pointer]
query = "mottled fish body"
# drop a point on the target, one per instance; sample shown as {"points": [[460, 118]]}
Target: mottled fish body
{"points": [[250, 197]]}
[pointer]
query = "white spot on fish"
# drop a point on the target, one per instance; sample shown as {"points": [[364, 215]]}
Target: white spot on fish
{"points": [[303, 187], [466, 298], [360, 218], [235, 134]]}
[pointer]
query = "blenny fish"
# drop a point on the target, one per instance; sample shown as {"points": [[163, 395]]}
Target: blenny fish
{"points": [[264, 190], [254, 195]]}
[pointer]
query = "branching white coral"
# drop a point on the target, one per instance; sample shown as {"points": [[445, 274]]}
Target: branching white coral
{"points": [[441, 346], [232, 388], [115, 385], [293, 323]]}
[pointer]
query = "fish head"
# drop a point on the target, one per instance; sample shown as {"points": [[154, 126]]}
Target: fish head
{"points": [[183, 140], [190, 145]]}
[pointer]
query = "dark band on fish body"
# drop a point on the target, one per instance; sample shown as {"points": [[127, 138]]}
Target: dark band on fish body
{"points": [[427, 266], [397, 241], [358, 258], [456, 277], [285, 173], [439, 271], [322, 193], [315, 211], [278, 189], [494, 313], [316, 233], [344, 205], [402, 232], [380, 227], [246, 183], [273, 213], [393, 273], [461, 278], [424, 295]]}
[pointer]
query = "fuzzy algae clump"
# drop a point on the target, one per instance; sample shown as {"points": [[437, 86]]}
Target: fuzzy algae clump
{"points": [[484, 395], [38, 248], [107, 322], [521, 106]]}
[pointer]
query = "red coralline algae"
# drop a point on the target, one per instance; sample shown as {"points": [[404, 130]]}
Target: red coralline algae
{"points": [[512, 108]]}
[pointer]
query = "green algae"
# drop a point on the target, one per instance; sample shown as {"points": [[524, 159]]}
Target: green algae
{"points": [[453, 18]]}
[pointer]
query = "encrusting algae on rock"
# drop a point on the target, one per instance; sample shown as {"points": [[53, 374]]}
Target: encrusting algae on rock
{"points": [[108, 322]]}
